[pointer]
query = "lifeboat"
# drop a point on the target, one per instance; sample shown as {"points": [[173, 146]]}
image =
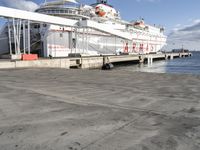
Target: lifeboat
{"points": [[103, 10], [100, 11], [139, 24]]}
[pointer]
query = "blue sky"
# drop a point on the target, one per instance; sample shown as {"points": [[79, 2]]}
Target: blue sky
{"points": [[175, 15]]}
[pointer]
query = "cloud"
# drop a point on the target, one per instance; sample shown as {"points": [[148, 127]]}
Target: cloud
{"points": [[20, 4], [196, 21], [187, 36]]}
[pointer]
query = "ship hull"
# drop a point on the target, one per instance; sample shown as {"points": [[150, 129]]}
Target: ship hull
{"points": [[58, 41], [61, 43]]}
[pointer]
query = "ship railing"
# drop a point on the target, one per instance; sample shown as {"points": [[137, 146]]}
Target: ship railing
{"points": [[61, 5], [53, 11], [64, 12]]}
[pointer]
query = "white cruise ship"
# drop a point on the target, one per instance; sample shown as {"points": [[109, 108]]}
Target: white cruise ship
{"points": [[98, 29]]}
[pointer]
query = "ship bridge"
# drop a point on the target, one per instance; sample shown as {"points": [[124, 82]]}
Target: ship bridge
{"points": [[63, 8]]}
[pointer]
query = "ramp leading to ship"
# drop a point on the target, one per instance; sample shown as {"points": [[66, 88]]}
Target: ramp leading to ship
{"points": [[105, 28], [32, 16]]}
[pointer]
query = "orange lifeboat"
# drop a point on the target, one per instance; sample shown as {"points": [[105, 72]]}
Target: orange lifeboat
{"points": [[100, 12], [139, 24]]}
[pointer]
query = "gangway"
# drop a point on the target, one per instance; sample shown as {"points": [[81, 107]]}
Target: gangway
{"points": [[106, 29], [36, 17]]}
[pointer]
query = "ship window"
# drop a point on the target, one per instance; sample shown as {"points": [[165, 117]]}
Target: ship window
{"points": [[37, 26], [61, 35], [74, 43]]}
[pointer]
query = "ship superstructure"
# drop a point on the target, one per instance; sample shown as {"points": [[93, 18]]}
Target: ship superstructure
{"points": [[98, 29]]}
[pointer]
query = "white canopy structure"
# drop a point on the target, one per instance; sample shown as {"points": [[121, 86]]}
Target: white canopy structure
{"points": [[37, 17]]}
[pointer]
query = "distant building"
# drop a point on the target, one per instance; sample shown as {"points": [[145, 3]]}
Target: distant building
{"points": [[180, 50]]}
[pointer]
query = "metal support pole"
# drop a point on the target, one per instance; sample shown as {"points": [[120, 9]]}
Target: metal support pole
{"points": [[150, 60], [115, 44], [24, 36], [83, 39], [76, 35], [71, 39], [29, 41], [14, 34], [9, 37], [19, 36], [106, 49], [87, 40]]}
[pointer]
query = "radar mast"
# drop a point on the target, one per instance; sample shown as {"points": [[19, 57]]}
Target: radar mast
{"points": [[102, 1]]}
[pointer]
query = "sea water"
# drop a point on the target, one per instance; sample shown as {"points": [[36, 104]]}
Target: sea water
{"points": [[187, 65]]}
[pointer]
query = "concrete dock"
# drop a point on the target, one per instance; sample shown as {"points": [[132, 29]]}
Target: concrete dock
{"points": [[88, 62], [59, 109]]}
